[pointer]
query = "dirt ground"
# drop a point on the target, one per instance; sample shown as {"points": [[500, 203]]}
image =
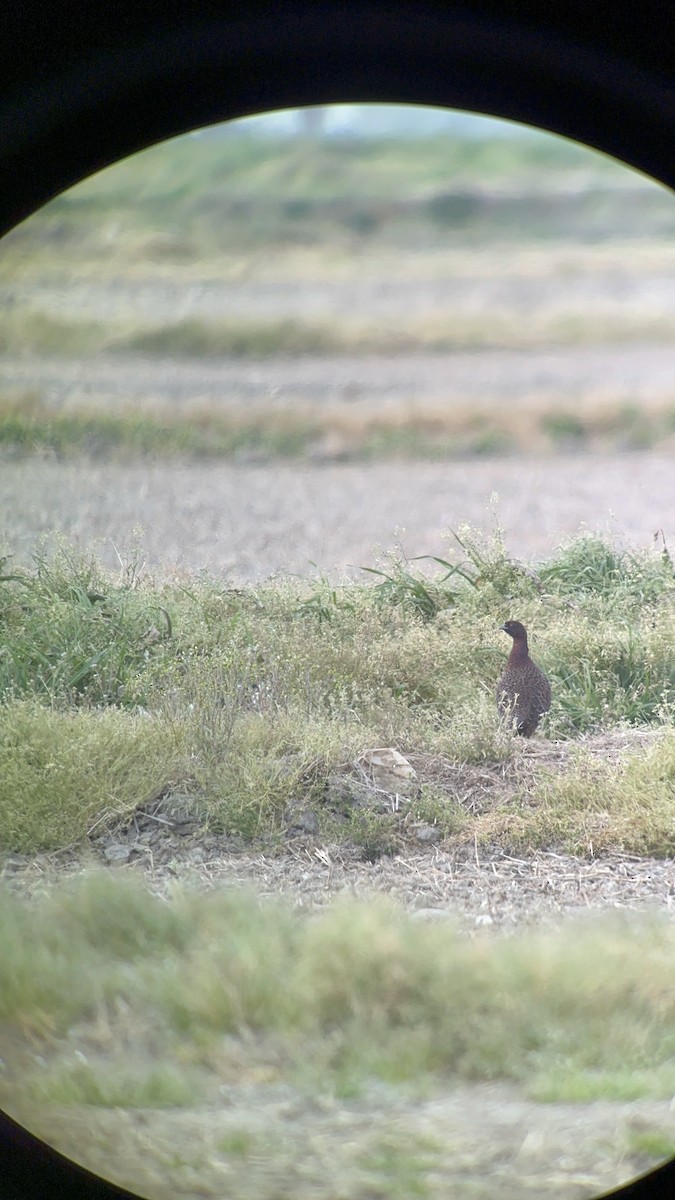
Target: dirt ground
{"points": [[247, 522], [574, 375]]}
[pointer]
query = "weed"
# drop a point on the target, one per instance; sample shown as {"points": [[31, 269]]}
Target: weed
{"points": [[70, 635], [589, 565], [424, 597], [238, 1143], [400, 1168], [255, 339]]}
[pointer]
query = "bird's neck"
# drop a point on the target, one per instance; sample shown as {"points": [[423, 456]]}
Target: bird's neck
{"points": [[519, 652]]}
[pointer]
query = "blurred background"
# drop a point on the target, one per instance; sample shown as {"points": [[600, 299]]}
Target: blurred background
{"points": [[285, 342]]}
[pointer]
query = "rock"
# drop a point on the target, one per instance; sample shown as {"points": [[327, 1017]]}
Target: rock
{"points": [[185, 828], [117, 853], [389, 770], [301, 821], [344, 793], [428, 834]]}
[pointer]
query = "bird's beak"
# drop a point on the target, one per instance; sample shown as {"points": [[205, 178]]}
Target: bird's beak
{"points": [[503, 628]]}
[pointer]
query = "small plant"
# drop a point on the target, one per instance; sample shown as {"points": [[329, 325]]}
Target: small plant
{"points": [[424, 597], [72, 635], [589, 565], [564, 427], [62, 773], [489, 567], [651, 1145], [324, 604]]}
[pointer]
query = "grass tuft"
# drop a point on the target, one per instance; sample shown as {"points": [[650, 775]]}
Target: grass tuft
{"points": [[62, 773]]}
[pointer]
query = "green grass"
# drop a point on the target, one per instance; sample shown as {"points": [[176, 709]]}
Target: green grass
{"points": [[652, 1145], [159, 1086], [398, 1167], [64, 773], [259, 700], [368, 993], [593, 807], [29, 424]]}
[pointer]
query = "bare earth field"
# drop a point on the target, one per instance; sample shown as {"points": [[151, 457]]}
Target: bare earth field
{"points": [[575, 376], [247, 522]]}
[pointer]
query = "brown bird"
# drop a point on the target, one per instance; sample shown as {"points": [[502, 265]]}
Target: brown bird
{"points": [[523, 692]]}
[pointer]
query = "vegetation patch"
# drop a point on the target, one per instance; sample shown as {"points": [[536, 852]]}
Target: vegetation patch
{"points": [[368, 993], [64, 773], [29, 423], [257, 704]]}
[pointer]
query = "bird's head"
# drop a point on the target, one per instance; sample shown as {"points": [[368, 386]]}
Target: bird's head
{"points": [[515, 630]]}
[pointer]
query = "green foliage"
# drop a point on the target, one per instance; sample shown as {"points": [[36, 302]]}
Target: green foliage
{"points": [[253, 339], [29, 421], [70, 635], [424, 597], [594, 807], [191, 197], [567, 428], [651, 1144], [590, 565], [156, 1086], [62, 772], [353, 992]]}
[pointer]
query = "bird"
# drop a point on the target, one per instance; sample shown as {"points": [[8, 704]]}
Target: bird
{"points": [[523, 692]]}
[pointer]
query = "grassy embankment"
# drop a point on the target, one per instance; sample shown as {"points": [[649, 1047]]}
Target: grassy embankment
{"points": [[254, 700]]}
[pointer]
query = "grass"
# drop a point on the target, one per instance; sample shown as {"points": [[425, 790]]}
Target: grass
{"points": [[257, 702], [368, 993], [159, 1086], [652, 1145], [193, 197], [30, 331], [72, 771], [29, 424], [593, 808]]}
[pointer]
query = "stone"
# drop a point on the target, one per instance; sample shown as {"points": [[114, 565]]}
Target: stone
{"points": [[117, 853]]}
